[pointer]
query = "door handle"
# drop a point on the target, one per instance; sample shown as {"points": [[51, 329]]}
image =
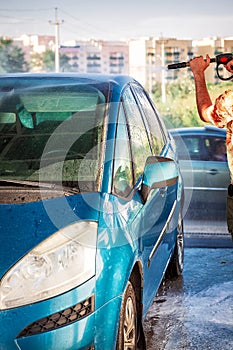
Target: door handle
{"points": [[212, 171]]}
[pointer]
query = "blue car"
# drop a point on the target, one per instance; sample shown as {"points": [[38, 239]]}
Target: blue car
{"points": [[90, 211]]}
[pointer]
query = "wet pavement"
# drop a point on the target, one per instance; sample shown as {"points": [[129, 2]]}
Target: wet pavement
{"points": [[195, 311]]}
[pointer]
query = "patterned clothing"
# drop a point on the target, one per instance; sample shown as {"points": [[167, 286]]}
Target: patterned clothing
{"points": [[221, 115]]}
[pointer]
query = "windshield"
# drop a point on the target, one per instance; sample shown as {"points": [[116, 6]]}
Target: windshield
{"points": [[52, 134]]}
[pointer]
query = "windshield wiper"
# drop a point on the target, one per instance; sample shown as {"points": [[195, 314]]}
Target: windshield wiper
{"points": [[21, 182], [49, 186]]}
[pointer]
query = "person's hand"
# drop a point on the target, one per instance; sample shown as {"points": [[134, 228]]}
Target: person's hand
{"points": [[199, 64], [229, 66]]}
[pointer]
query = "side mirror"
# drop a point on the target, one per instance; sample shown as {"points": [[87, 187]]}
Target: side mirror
{"points": [[159, 172]]}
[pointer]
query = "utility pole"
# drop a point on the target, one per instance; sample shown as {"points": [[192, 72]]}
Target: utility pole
{"points": [[151, 57], [162, 43], [163, 84], [57, 40]]}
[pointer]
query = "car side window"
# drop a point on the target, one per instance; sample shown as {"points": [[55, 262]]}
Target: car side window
{"points": [[138, 135], [156, 135], [122, 174]]}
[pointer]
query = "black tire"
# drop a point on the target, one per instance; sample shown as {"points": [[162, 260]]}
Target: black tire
{"points": [[176, 264], [127, 331]]}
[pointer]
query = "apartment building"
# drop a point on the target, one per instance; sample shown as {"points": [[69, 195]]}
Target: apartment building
{"points": [[149, 58], [145, 59], [177, 50], [115, 57], [98, 57], [212, 46]]}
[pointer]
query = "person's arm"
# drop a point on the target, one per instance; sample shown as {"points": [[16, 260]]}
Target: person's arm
{"points": [[198, 66]]}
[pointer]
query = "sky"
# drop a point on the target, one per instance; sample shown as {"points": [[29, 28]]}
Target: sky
{"points": [[117, 19]]}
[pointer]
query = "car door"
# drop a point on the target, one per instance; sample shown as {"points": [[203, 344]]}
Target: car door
{"points": [[192, 160], [216, 171], [142, 222], [151, 221], [205, 179]]}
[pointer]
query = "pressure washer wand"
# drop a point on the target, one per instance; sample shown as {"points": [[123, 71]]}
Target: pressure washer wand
{"points": [[184, 64], [223, 58]]}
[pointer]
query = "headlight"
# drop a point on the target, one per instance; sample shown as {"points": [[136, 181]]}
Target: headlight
{"points": [[60, 263]]}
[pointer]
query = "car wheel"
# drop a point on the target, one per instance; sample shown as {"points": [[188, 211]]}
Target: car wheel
{"points": [[176, 264], [127, 331]]}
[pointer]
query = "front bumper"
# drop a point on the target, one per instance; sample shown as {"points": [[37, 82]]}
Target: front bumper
{"points": [[55, 325]]}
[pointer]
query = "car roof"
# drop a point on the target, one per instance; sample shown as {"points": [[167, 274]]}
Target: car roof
{"points": [[198, 130], [117, 81]]}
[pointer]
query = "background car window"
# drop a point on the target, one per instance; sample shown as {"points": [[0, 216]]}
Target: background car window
{"points": [[123, 177], [206, 148], [138, 135], [189, 147], [216, 147], [156, 135]]}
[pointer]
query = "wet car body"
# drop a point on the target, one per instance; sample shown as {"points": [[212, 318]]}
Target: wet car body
{"points": [[91, 198], [206, 178]]}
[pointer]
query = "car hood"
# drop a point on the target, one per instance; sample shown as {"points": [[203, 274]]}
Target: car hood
{"points": [[23, 226]]}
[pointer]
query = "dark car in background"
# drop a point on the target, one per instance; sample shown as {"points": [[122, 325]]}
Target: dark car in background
{"points": [[203, 162]]}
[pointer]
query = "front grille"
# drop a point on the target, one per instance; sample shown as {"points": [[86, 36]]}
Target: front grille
{"points": [[60, 319]]}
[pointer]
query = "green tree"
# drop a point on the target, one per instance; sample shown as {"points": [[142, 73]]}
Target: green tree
{"points": [[46, 62], [49, 61], [180, 108], [11, 57], [36, 62], [64, 63]]}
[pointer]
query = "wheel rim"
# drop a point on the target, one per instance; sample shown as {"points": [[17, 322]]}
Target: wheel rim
{"points": [[129, 326]]}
